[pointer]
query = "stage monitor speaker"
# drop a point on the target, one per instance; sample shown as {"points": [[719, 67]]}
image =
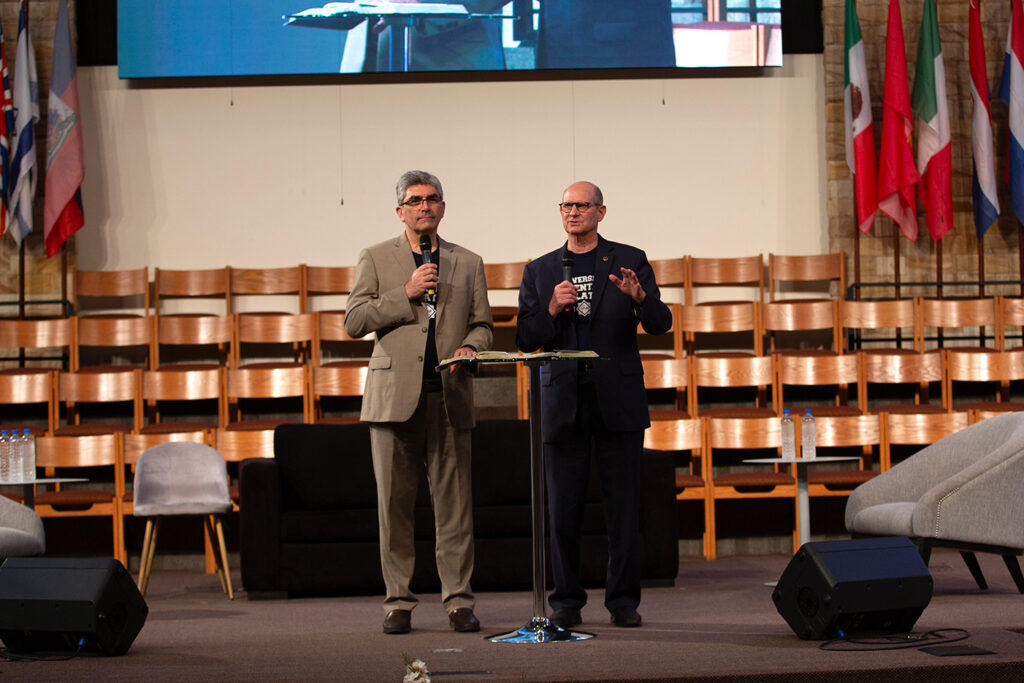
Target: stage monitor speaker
{"points": [[866, 585], [69, 604]]}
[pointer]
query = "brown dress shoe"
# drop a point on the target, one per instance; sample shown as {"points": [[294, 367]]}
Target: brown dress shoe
{"points": [[398, 621], [463, 620]]}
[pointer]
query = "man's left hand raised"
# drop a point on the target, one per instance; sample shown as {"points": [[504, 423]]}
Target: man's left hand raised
{"points": [[629, 285]]}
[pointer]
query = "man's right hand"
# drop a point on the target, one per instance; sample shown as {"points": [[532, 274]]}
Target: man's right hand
{"points": [[564, 295], [422, 279]]}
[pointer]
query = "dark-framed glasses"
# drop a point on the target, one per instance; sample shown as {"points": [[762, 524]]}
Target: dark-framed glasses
{"points": [[415, 200], [582, 207]]}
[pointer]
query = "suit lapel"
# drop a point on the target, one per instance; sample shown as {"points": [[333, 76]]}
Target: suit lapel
{"points": [[603, 264], [448, 262], [404, 262]]}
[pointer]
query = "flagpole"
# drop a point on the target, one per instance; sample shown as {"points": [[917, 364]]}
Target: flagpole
{"points": [[981, 266], [21, 279], [856, 256], [64, 278], [938, 267]]}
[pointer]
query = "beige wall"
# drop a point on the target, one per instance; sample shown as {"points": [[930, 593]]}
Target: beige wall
{"points": [[194, 177]]}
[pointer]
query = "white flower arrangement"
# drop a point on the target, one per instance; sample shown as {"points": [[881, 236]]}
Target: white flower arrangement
{"points": [[416, 670]]}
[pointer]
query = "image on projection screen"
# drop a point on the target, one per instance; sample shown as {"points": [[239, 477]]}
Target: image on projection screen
{"points": [[191, 38]]}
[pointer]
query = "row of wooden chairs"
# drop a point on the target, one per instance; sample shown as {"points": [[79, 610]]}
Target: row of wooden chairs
{"points": [[965, 379], [99, 290], [713, 449]]}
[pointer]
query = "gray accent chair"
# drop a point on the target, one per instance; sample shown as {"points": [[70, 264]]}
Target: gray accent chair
{"points": [[965, 491], [21, 530], [182, 478]]}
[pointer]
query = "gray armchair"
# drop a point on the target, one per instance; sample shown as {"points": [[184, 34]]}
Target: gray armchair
{"points": [[965, 492], [21, 530]]}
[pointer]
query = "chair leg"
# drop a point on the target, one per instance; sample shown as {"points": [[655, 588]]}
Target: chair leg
{"points": [[218, 562], [971, 560], [224, 558], [147, 541], [147, 561], [1014, 566]]}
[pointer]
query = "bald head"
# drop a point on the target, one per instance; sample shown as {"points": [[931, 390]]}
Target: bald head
{"points": [[590, 189]]}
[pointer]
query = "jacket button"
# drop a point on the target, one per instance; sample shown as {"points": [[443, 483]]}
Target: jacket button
{"points": [[423, 329], [419, 359]]}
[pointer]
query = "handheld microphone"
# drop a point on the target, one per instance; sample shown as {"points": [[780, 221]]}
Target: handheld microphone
{"points": [[567, 271], [425, 251]]}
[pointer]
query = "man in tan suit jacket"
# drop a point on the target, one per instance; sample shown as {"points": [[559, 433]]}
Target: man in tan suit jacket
{"points": [[421, 312]]}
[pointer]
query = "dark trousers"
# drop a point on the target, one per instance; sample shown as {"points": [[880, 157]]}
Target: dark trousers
{"points": [[567, 468]]}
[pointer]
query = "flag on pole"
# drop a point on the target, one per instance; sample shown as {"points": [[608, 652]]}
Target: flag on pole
{"points": [[1011, 91], [6, 126], [983, 175], [896, 173], [65, 165], [860, 132], [26, 114], [934, 152]]}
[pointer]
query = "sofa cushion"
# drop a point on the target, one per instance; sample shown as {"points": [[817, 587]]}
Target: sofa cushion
{"points": [[885, 519]]}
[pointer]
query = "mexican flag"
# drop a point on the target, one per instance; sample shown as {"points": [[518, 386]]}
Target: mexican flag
{"points": [[860, 136], [934, 154]]}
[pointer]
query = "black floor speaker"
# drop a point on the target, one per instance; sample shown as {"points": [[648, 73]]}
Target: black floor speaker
{"points": [[69, 605], [861, 586]]}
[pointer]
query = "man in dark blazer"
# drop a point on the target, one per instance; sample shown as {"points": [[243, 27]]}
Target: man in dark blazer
{"points": [[592, 408], [421, 311]]}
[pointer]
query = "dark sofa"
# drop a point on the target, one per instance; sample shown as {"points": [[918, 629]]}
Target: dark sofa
{"points": [[309, 515]]}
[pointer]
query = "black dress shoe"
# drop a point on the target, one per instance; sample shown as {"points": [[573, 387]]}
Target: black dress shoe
{"points": [[398, 621], [566, 617], [462, 620], [625, 617]]}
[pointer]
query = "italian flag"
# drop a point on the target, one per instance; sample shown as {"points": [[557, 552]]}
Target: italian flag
{"points": [[860, 135], [934, 155]]}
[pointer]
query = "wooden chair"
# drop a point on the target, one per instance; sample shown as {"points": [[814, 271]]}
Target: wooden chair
{"points": [[113, 342], [865, 322], [744, 375], [861, 432], [719, 325], [729, 440], [814, 374], [801, 327], [100, 402], [249, 385], [743, 271], [804, 275], [257, 334], [917, 429], [916, 371], [39, 340], [195, 341], [111, 292], [332, 344], [685, 437], [27, 400], [981, 366], [508, 277], [328, 284], [287, 283], [188, 290], [341, 381], [182, 392], [670, 274], [1011, 323], [101, 455], [664, 375], [942, 315]]}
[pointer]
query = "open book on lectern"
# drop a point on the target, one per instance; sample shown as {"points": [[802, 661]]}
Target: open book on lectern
{"points": [[506, 356]]}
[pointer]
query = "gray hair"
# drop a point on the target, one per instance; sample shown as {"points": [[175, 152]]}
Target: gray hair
{"points": [[410, 178]]}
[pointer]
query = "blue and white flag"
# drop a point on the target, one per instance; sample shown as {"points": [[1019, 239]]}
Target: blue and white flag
{"points": [[26, 114]]}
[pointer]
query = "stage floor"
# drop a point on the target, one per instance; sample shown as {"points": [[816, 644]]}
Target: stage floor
{"points": [[717, 622]]}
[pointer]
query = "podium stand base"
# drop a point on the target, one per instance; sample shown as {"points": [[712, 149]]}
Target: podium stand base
{"points": [[539, 630]]}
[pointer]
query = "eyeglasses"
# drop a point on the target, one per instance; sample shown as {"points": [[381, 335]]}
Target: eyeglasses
{"points": [[415, 201], [582, 207]]}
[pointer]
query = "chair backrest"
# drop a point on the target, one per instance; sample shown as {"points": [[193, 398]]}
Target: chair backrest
{"points": [[971, 365], [943, 315], [504, 278], [237, 445], [102, 389], [848, 430], [1011, 321], [338, 381], [330, 337], [185, 384], [916, 369], [819, 371], [267, 383], [106, 341], [740, 433], [19, 390], [668, 374], [804, 317], [732, 372], [674, 435], [41, 337], [803, 275], [288, 282], [717, 321], [137, 444], [267, 329], [181, 477], [328, 284], [670, 274], [185, 338], [185, 291], [876, 316], [111, 291], [743, 271], [917, 429], [95, 450]]}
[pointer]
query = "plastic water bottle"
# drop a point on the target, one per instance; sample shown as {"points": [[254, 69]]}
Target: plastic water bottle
{"points": [[788, 437], [28, 456], [5, 457], [14, 448], [808, 449]]}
